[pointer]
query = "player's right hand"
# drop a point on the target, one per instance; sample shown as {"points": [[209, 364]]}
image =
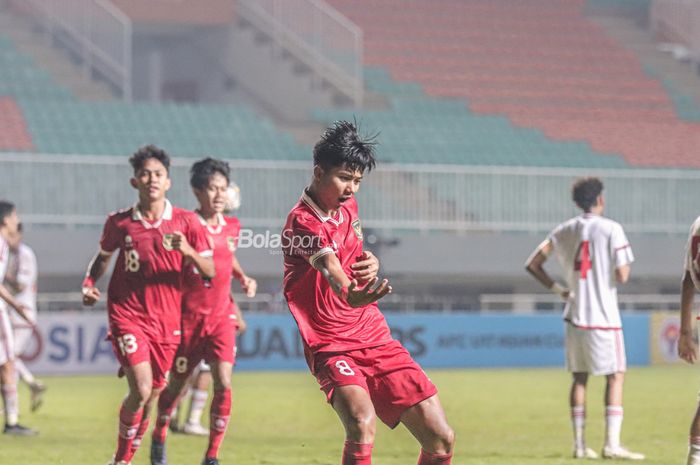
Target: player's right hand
{"points": [[368, 294], [686, 347], [90, 296]]}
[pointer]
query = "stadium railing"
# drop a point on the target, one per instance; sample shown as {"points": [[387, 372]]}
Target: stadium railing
{"points": [[95, 30], [77, 190], [316, 33]]}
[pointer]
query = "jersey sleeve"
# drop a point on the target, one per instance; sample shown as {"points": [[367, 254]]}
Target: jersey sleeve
{"points": [[621, 250], [308, 239], [111, 236], [692, 261], [556, 237], [198, 238], [27, 272]]}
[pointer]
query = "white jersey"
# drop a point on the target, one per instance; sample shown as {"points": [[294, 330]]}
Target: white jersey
{"points": [[4, 257], [590, 248], [23, 268], [692, 253]]}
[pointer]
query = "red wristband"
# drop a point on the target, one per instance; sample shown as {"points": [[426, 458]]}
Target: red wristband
{"points": [[88, 282]]}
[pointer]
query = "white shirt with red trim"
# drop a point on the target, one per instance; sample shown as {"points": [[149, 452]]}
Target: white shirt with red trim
{"points": [[692, 253], [4, 257], [23, 268], [590, 248]]}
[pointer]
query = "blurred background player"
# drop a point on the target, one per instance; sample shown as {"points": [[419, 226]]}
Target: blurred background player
{"points": [[200, 380], [596, 256], [9, 223], [331, 287], [208, 312], [21, 281], [687, 348], [156, 241]]}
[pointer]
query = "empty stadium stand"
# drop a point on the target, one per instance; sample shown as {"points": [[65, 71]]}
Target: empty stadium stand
{"points": [[542, 64]]}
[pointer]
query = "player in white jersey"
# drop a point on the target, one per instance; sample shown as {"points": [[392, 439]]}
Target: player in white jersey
{"points": [[687, 348], [8, 379], [21, 281], [596, 257]]}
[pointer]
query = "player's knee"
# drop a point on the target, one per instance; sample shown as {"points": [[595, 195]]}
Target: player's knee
{"points": [[447, 439], [362, 426], [142, 393]]}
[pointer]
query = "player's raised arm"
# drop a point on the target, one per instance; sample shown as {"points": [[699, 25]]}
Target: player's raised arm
{"points": [[96, 269], [534, 266], [203, 261], [347, 289], [686, 345]]}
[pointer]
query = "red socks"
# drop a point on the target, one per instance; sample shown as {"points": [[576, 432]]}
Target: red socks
{"points": [[166, 404], [128, 426], [218, 420], [355, 453], [428, 458]]}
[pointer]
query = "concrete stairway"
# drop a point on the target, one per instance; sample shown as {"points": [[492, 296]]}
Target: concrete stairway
{"points": [[31, 40]]}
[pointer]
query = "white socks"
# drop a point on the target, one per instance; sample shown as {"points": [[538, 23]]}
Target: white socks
{"points": [[11, 400], [578, 421], [198, 402], [613, 425]]}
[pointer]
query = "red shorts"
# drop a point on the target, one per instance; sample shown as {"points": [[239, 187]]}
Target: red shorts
{"points": [[394, 381], [132, 345], [205, 337]]}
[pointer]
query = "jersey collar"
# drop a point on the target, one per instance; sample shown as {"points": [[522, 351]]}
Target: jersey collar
{"points": [[220, 223], [318, 212], [167, 215]]}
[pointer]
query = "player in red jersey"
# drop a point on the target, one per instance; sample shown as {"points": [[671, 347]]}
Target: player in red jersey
{"points": [[331, 288], [209, 320], [155, 241]]}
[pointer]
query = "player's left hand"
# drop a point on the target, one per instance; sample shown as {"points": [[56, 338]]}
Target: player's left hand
{"points": [[686, 347], [249, 285], [366, 268], [180, 244]]}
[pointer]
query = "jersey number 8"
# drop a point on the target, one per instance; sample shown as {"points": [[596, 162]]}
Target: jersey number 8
{"points": [[131, 261]]}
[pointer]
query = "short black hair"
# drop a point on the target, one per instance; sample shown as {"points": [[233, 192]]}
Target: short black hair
{"points": [[6, 209], [149, 151], [341, 144], [585, 192], [202, 170]]}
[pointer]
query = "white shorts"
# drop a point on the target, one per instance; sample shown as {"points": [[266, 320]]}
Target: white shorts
{"points": [[23, 335], [7, 340], [595, 351]]}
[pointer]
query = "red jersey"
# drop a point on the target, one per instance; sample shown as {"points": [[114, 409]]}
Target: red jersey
{"points": [[213, 296], [146, 285], [326, 322]]}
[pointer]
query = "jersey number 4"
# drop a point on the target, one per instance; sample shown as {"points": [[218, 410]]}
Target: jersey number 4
{"points": [[583, 262]]}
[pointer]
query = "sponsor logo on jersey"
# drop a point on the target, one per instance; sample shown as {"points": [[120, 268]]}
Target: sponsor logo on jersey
{"points": [[231, 243], [357, 228]]}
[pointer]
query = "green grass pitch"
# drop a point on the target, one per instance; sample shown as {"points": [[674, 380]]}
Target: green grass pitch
{"points": [[500, 417]]}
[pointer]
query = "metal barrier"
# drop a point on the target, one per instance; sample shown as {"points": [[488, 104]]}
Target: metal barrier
{"points": [[95, 30], [316, 33], [74, 191]]}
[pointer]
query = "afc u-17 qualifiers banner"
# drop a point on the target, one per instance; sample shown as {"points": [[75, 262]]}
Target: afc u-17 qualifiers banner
{"points": [[75, 342]]}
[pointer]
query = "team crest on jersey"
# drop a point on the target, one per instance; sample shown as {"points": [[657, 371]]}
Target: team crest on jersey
{"points": [[168, 242], [128, 242], [231, 243], [357, 228]]}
